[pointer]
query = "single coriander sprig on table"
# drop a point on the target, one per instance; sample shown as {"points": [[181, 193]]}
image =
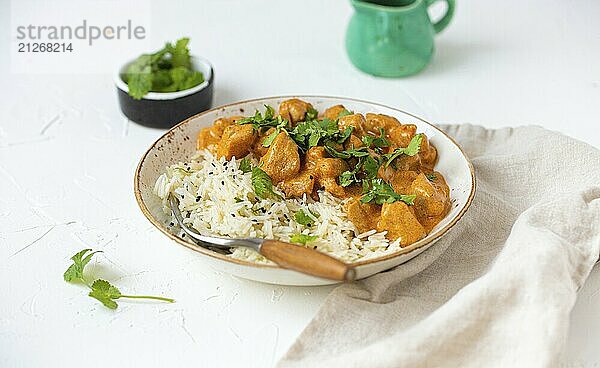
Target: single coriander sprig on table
{"points": [[101, 290]]}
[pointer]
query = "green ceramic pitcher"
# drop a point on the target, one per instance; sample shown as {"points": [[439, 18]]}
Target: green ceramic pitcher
{"points": [[393, 38]]}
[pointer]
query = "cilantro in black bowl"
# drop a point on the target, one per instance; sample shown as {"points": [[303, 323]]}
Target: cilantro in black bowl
{"points": [[165, 87]]}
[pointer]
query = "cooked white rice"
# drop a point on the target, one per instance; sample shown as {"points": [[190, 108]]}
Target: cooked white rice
{"points": [[216, 198]]}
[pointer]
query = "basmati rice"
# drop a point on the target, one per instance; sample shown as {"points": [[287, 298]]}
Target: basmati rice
{"points": [[216, 198]]}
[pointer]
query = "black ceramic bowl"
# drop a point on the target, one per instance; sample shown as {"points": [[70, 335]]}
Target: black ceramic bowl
{"points": [[165, 109]]}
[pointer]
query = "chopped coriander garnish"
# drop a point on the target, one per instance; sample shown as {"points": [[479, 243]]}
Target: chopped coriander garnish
{"points": [[311, 113], [345, 135], [410, 150], [303, 219], [269, 140], [167, 70], [380, 192], [245, 165], [310, 133], [265, 120], [355, 152], [370, 166], [306, 134], [302, 238], [101, 290], [431, 176], [262, 184], [343, 113], [376, 142]]}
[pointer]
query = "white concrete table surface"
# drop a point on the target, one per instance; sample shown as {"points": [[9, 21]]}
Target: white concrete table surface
{"points": [[67, 158]]}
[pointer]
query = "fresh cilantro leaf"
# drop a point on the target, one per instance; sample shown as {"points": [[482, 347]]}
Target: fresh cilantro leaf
{"points": [[303, 218], [193, 79], [380, 192], [355, 152], [347, 178], [167, 70], [268, 119], [370, 166], [378, 142], [411, 150], [343, 113], [245, 165], [311, 113], [302, 238], [80, 260], [268, 141], [345, 135], [367, 164], [103, 291], [313, 139], [431, 176], [310, 133], [139, 83], [262, 184], [106, 293], [414, 146], [180, 54], [176, 79], [161, 80]]}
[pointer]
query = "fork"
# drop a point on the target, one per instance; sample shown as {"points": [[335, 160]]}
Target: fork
{"points": [[286, 255]]}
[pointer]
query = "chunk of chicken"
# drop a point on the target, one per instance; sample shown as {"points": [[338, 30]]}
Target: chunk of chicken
{"points": [[313, 155], [402, 180], [282, 160], [364, 216], [301, 184], [432, 201], [257, 148], [400, 223], [294, 110], [353, 142], [327, 171], [209, 138], [386, 173], [404, 163], [376, 121], [355, 120], [333, 112], [236, 141], [428, 153], [400, 136]]}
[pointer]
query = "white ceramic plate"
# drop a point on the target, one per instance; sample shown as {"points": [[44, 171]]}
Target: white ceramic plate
{"points": [[179, 143]]}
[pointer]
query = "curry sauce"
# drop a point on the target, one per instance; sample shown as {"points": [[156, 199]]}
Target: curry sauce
{"points": [[384, 170]]}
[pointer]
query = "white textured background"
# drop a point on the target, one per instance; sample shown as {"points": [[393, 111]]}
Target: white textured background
{"points": [[67, 158]]}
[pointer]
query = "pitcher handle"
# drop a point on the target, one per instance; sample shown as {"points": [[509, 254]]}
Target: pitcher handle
{"points": [[443, 23]]}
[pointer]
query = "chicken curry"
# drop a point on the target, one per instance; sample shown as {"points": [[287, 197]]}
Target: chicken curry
{"points": [[384, 170]]}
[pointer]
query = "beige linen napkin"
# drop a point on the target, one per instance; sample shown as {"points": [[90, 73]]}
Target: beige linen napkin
{"points": [[497, 290]]}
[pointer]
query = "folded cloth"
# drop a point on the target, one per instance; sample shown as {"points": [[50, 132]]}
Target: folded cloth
{"points": [[497, 290]]}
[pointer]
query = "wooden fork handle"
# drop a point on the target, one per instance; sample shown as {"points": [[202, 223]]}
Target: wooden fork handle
{"points": [[308, 261]]}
